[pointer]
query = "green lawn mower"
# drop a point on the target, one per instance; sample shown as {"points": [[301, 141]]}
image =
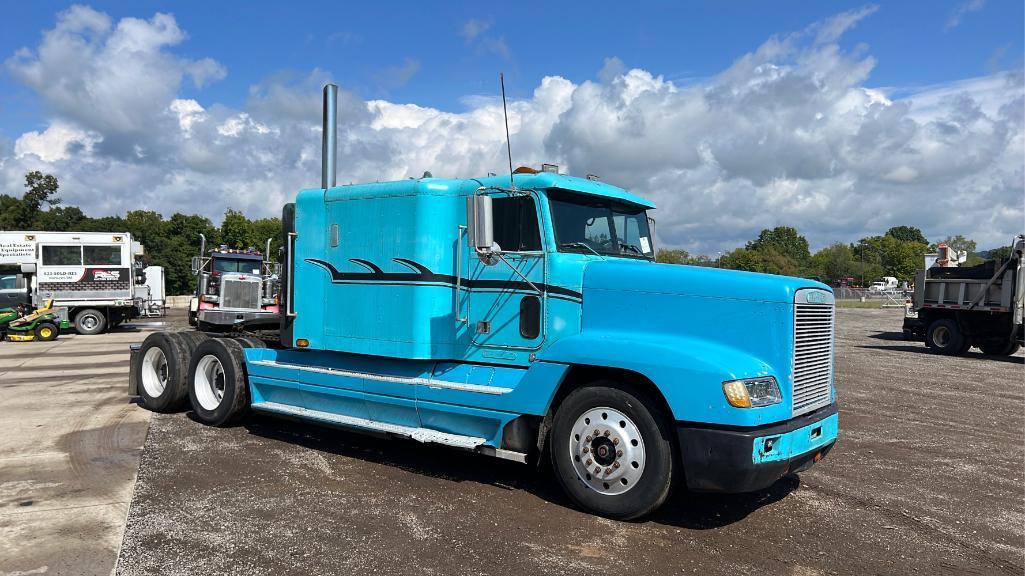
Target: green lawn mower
{"points": [[23, 324]]}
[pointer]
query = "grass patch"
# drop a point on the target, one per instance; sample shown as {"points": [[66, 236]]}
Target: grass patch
{"points": [[874, 304]]}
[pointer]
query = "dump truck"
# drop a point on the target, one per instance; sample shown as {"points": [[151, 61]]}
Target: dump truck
{"points": [[954, 308], [91, 276], [236, 289], [523, 317]]}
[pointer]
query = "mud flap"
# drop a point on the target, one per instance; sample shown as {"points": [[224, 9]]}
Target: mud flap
{"points": [[135, 358]]}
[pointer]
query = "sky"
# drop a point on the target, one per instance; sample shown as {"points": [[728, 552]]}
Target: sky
{"points": [[840, 119]]}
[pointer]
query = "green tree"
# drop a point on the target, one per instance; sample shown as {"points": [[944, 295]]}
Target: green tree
{"points": [[834, 263], [261, 230], [742, 259], [782, 241], [236, 230], [672, 256], [907, 234]]}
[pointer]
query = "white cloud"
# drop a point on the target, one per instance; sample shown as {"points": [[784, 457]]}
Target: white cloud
{"points": [[791, 133], [963, 9]]}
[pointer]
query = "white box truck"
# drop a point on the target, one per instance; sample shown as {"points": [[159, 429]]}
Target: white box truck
{"points": [[91, 274]]}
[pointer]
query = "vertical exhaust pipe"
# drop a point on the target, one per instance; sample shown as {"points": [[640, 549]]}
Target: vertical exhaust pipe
{"points": [[329, 147], [202, 244]]}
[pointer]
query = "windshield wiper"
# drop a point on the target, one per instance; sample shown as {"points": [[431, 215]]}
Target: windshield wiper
{"points": [[631, 247], [581, 245]]}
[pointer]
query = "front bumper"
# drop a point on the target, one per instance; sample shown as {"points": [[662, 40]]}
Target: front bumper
{"points": [[737, 459], [240, 318]]}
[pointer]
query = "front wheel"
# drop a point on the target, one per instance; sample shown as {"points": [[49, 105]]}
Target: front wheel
{"points": [[612, 450], [944, 337], [90, 321], [47, 331]]}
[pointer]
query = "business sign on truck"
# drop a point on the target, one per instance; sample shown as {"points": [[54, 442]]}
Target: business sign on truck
{"points": [[16, 251]]}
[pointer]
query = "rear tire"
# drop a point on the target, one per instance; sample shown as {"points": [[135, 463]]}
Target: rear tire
{"points": [[1001, 349], [626, 469], [47, 331], [90, 321], [161, 371], [218, 387], [944, 337]]}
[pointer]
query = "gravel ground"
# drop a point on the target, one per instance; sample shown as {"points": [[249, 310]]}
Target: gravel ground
{"points": [[926, 478]]}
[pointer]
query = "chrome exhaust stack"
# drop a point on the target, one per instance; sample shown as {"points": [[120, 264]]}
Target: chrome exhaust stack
{"points": [[329, 144]]}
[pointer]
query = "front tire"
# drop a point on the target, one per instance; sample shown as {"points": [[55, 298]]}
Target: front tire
{"points": [[90, 321], [944, 337], [47, 331], [218, 387], [612, 451]]}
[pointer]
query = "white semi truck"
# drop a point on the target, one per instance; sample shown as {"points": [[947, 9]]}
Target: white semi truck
{"points": [[93, 275]]}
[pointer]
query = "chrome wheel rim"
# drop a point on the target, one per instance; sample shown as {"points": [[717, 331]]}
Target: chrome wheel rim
{"points": [[607, 451], [941, 336], [209, 382], [154, 372], [89, 322]]}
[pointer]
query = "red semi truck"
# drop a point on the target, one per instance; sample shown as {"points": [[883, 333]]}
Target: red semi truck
{"points": [[235, 289]]}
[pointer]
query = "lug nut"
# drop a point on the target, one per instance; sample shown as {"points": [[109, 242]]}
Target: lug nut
{"points": [[615, 464], [597, 432], [615, 441], [588, 463], [618, 453], [606, 433], [588, 439], [608, 470], [586, 449], [597, 470]]}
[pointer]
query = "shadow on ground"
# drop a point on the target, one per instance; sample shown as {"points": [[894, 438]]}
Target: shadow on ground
{"points": [[684, 509]]}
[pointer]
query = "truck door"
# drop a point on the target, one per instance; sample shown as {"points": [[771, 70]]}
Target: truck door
{"points": [[505, 310]]}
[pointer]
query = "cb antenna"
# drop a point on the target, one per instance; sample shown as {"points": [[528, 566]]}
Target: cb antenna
{"points": [[508, 142]]}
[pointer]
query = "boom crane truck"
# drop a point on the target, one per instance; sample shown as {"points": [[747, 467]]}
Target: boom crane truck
{"points": [[523, 317]]}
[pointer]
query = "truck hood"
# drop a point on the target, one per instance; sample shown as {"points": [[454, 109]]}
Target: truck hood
{"points": [[643, 276]]}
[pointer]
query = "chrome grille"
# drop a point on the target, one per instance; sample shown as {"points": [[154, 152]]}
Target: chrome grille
{"points": [[240, 294], [813, 355]]}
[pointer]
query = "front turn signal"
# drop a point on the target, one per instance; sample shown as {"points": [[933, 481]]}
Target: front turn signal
{"points": [[736, 394]]}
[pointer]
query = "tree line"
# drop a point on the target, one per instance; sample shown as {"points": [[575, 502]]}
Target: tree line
{"points": [[900, 253], [170, 243]]}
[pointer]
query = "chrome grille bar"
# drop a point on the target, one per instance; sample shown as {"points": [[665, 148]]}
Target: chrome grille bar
{"points": [[812, 369]]}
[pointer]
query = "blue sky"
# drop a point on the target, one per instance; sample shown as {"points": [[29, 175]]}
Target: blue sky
{"points": [[360, 44], [839, 118]]}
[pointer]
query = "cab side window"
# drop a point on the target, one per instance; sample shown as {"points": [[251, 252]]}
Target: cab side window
{"points": [[516, 226]]}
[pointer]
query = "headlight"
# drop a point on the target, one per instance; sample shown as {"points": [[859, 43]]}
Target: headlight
{"points": [[752, 392]]}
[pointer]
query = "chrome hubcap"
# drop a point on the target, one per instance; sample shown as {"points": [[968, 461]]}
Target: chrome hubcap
{"points": [[941, 336], [607, 451]]}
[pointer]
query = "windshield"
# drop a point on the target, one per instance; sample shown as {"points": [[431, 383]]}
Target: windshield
{"points": [[589, 224], [243, 266]]}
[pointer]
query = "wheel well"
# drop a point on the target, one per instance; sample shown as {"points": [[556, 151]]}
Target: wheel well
{"points": [[579, 376]]}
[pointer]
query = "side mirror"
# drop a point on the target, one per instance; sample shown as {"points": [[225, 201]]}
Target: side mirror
{"points": [[20, 283], [277, 269], [197, 264], [480, 224]]}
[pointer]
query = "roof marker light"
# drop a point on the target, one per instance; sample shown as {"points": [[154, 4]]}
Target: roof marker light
{"points": [[553, 168]]}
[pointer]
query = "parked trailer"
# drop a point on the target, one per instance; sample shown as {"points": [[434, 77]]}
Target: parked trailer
{"points": [[955, 308], [92, 275], [523, 316]]}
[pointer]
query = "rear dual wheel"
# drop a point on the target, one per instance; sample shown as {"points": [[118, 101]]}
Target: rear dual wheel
{"points": [[160, 370], [944, 337], [218, 387]]}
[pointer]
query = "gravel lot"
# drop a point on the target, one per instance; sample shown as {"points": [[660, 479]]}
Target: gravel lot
{"points": [[926, 478]]}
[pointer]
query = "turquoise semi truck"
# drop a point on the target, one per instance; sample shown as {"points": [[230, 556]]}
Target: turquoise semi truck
{"points": [[524, 317]]}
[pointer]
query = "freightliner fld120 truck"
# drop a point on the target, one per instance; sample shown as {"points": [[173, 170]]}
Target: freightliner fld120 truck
{"points": [[524, 317]]}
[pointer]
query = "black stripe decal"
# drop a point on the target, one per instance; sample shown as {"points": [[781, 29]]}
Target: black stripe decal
{"points": [[424, 276]]}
